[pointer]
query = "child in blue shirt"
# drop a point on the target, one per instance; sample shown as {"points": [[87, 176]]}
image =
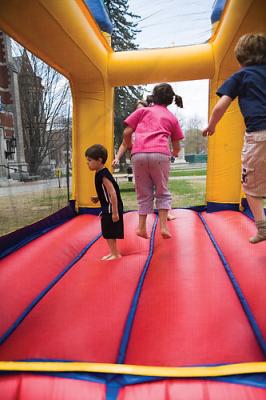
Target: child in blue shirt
{"points": [[249, 85]]}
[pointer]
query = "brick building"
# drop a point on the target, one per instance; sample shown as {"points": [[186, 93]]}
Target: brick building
{"points": [[30, 145], [12, 157]]}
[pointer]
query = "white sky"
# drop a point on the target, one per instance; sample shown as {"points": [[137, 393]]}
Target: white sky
{"points": [[168, 23]]}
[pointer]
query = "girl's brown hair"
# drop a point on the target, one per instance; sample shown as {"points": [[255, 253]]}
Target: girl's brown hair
{"points": [[164, 94], [251, 49]]}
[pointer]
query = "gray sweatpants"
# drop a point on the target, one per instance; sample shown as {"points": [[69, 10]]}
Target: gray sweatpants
{"points": [[151, 172]]}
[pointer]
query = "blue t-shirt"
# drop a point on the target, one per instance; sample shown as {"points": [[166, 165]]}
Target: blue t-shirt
{"points": [[249, 85]]}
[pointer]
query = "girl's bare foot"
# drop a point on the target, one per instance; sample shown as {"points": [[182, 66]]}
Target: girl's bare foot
{"points": [[165, 234], [170, 217], [142, 234]]}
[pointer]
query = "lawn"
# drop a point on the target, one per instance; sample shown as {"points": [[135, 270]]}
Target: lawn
{"points": [[17, 211], [185, 193], [188, 172], [27, 208]]}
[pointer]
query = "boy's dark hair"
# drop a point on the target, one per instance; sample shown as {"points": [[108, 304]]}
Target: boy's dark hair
{"points": [[97, 151], [251, 49], [164, 94]]}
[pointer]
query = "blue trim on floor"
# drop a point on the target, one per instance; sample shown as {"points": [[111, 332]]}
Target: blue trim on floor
{"points": [[38, 298], [243, 301], [134, 304], [213, 207], [89, 210], [118, 381], [15, 240]]}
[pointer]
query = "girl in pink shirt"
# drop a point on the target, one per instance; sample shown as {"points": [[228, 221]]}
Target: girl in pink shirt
{"points": [[153, 127]]}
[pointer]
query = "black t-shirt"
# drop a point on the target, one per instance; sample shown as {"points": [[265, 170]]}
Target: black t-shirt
{"points": [[103, 194], [249, 85]]}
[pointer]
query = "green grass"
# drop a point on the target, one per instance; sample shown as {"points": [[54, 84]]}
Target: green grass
{"points": [[185, 193], [188, 172], [17, 211]]}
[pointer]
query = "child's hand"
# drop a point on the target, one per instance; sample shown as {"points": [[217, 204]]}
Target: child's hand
{"points": [[115, 217], [208, 131], [175, 153], [115, 162], [94, 199]]}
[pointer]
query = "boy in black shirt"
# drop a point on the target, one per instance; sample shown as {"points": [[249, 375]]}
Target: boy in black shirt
{"points": [[110, 199]]}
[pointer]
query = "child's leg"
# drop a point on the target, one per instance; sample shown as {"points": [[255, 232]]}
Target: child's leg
{"points": [[160, 168], [256, 206], [142, 230], [114, 253], [143, 183], [144, 190], [254, 179], [163, 224]]}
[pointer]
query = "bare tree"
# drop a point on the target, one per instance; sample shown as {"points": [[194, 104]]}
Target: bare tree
{"points": [[44, 99], [195, 143]]}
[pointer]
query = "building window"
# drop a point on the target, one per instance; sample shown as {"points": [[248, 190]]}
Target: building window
{"points": [[10, 149]]}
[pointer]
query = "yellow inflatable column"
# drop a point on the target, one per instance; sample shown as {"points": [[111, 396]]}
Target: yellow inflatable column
{"points": [[93, 123], [224, 150]]}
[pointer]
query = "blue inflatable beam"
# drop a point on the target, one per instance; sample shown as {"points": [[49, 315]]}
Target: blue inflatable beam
{"points": [[217, 10], [99, 13]]}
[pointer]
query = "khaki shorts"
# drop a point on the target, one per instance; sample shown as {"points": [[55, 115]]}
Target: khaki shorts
{"points": [[254, 164]]}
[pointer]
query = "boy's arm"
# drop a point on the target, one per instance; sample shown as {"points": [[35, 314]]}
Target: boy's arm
{"points": [[122, 149], [217, 113], [113, 197], [127, 136], [176, 147]]}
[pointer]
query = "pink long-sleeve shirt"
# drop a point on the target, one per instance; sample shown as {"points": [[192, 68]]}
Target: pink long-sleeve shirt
{"points": [[153, 127]]}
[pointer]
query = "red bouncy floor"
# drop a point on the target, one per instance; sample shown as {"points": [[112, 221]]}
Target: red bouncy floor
{"points": [[199, 299]]}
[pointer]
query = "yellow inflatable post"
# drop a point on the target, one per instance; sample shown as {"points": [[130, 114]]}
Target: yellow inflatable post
{"points": [[224, 151]]}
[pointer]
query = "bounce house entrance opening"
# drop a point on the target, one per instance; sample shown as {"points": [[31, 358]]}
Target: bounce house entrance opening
{"points": [[187, 180]]}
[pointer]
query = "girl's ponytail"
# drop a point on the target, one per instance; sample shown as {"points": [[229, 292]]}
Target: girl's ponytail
{"points": [[178, 101], [150, 99]]}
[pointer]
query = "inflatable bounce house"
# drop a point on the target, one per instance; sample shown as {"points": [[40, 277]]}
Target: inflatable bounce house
{"points": [[183, 318]]}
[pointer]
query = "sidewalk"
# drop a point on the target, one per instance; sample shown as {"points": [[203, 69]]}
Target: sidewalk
{"points": [[11, 187]]}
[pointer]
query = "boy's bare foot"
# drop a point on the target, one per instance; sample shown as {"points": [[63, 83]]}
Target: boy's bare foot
{"points": [[109, 257], [114, 257], [165, 234], [170, 217], [142, 234]]}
